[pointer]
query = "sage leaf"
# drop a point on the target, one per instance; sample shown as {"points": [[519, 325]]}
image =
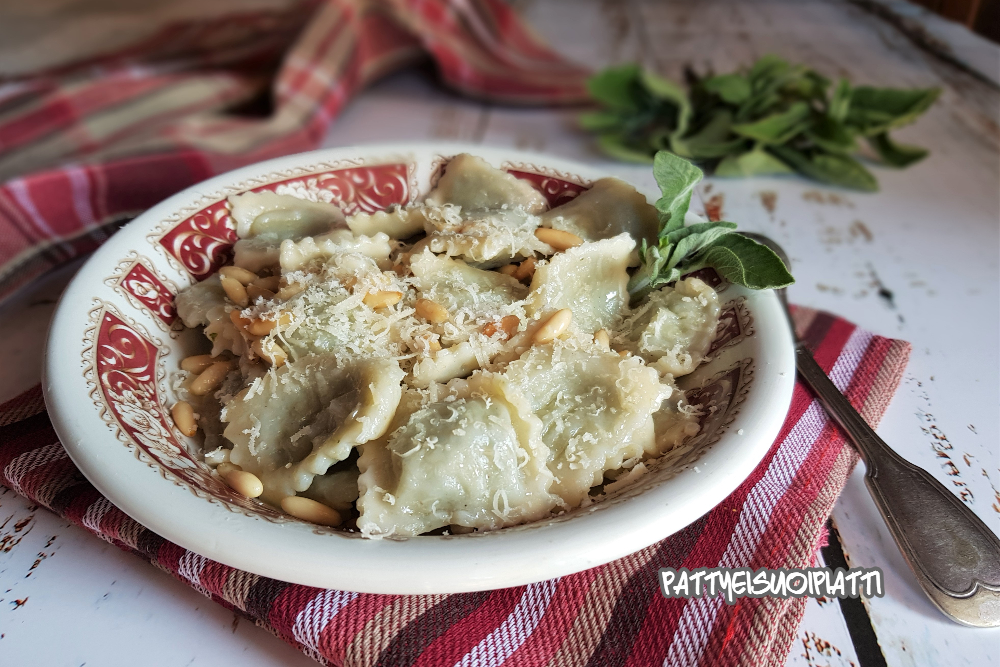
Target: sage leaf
{"points": [[768, 66], [696, 241], [840, 102], [832, 136], [777, 128], [732, 88], [810, 85], [641, 282], [896, 155], [681, 233], [668, 91], [743, 261], [617, 87], [877, 110], [756, 162], [714, 140], [676, 178], [829, 168]]}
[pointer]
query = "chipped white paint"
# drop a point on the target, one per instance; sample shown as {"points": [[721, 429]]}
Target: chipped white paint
{"points": [[930, 237]]}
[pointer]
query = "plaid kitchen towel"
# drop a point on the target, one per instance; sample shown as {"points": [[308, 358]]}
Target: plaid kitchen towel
{"points": [[609, 615], [106, 137]]}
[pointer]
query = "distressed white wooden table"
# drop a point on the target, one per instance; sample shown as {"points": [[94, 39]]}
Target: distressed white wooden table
{"points": [[918, 261]]}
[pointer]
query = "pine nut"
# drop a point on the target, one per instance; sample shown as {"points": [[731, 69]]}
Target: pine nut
{"points": [[236, 273], [310, 510], [508, 270], [261, 327], [226, 467], [243, 482], [431, 311], [183, 415], [238, 320], [526, 270], [255, 292], [196, 363], [557, 238], [288, 291], [509, 324], [271, 283], [553, 326], [264, 327], [210, 378], [376, 300], [270, 352], [602, 339], [235, 291], [433, 345]]}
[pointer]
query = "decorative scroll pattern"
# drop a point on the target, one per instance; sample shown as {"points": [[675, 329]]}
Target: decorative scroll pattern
{"points": [[136, 278], [126, 374], [203, 242], [556, 190], [123, 370], [355, 190], [735, 324], [719, 399], [150, 291]]}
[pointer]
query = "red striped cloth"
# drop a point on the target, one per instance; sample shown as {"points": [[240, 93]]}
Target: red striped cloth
{"points": [[104, 139], [612, 615]]}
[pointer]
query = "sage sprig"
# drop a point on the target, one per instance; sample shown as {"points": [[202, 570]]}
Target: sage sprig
{"points": [[683, 248], [775, 118]]}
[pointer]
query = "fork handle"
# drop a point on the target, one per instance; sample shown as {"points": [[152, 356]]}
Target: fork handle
{"points": [[954, 556]]}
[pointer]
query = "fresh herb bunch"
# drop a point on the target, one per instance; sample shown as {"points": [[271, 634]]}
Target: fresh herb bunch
{"points": [[684, 248], [775, 118]]}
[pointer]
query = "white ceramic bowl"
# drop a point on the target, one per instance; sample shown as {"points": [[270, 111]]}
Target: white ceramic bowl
{"points": [[114, 342]]}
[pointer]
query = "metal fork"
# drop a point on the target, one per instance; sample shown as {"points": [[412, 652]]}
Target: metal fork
{"points": [[954, 556]]}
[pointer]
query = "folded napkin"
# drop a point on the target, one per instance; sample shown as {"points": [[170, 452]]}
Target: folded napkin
{"points": [[175, 107], [609, 615]]}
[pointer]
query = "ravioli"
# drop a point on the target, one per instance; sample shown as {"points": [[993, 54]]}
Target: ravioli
{"points": [[294, 255], [282, 216], [487, 240], [596, 409], [674, 422], [470, 182], [330, 314], [473, 459], [399, 223], [222, 332], [265, 219], [295, 422], [458, 286], [590, 280], [609, 208], [338, 489], [194, 303], [675, 327], [447, 364]]}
